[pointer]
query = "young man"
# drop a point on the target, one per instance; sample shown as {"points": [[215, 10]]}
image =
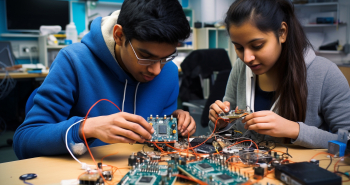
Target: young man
{"points": [[126, 58]]}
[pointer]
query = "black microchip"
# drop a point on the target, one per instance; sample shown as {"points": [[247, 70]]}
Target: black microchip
{"points": [[146, 179], [205, 165], [162, 129], [224, 177]]}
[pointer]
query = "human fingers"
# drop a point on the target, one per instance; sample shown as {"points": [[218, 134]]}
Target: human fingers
{"points": [[216, 107], [140, 120], [213, 115], [128, 133], [133, 123], [191, 127], [254, 115], [180, 121], [256, 120], [261, 126]]}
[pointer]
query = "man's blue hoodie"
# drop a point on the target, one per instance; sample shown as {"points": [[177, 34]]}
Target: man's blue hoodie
{"points": [[82, 74]]}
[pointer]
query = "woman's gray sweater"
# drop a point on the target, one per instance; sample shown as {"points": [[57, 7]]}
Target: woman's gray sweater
{"points": [[328, 101]]}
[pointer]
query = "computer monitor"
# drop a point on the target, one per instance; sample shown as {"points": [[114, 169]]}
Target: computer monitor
{"points": [[29, 15]]}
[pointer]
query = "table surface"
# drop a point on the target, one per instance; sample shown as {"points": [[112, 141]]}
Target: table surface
{"points": [[54, 169], [18, 75]]}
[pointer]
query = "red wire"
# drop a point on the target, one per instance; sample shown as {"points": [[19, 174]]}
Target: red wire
{"points": [[87, 146]]}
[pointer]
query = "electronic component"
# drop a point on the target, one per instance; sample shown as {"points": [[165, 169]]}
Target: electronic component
{"points": [[259, 173], [233, 114], [250, 158], [93, 177], [151, 173], [305, 173], [213, 170], [165, 128], [205, 148], [336, 148], [314, 161]]}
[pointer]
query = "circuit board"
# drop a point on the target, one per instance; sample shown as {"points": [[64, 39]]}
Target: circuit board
{"points": [[233, 114], [151, 173], [212, 172], [165, 128]]}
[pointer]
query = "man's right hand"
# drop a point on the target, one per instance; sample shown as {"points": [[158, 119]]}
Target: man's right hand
{"points": [[121, 127], [217, 108]]}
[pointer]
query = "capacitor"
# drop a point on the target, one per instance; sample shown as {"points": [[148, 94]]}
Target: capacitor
{"points": [[151, 117], [131, 160], [173, 126], [171, 117], [258, 173], [164, 116], [157, 117], [99, 165]]}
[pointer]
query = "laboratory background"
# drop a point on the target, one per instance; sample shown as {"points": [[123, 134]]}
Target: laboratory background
{"points": [[32, 32]]}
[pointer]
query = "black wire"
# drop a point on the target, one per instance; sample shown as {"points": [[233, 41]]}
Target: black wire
{"points": [[329, 163]]}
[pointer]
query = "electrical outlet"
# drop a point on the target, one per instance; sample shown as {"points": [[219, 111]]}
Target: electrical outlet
{"points": [[28, 50], [18, 45]]}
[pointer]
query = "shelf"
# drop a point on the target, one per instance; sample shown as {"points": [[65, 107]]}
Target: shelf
{"points": [[20, 35], [56, 47], [317, 4], [322, 25], [184, 48], [328, 52]]}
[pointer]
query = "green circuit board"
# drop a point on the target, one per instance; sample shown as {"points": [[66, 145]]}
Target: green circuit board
{"points": [[212, 172], [165, 128], [151, 173]]}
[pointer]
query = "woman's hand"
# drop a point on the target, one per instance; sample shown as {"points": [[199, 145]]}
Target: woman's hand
{"points": [[217, 108], [185, 122], [270, 123]]}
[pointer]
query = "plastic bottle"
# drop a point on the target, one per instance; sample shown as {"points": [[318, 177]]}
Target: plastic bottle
{"points": [[71, 32]]}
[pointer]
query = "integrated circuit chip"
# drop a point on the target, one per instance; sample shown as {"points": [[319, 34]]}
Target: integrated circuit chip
{"points": [[205, 167], [162, 129], [224, 178], [146, 180]]}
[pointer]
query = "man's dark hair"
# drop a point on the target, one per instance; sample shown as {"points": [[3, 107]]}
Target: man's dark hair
{"points": [[160, 21]]}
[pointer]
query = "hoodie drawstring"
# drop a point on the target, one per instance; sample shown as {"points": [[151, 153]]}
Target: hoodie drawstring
{"points": [[137, 86], [126, 84]]}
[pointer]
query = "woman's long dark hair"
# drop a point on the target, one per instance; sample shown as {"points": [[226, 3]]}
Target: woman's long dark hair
{"points": [[268, 15]]}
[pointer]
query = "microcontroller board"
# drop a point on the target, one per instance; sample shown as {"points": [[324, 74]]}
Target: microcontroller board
{"points": [[149, 173], [165, 128], [212, 171]]}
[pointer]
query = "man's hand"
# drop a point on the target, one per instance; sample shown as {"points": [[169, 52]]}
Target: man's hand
{"points": [[121, 127], [185, 122], [270, 123], [215, 109]]}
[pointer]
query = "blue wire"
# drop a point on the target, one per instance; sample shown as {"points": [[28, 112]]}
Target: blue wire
{"points": [[27, 182]]}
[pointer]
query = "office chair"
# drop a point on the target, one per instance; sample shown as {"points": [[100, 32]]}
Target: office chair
{"points": [[212, 64]]}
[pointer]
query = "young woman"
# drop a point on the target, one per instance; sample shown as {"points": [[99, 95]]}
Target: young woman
{"points": [[292, 92]]}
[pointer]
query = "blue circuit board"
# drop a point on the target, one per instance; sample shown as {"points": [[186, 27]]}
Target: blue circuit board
{"points": [[165, 128], [151, 173], [211, 172]]}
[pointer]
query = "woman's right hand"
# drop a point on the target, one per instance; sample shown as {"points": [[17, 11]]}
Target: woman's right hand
{"points": [[121, 127], [217, 108]]}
